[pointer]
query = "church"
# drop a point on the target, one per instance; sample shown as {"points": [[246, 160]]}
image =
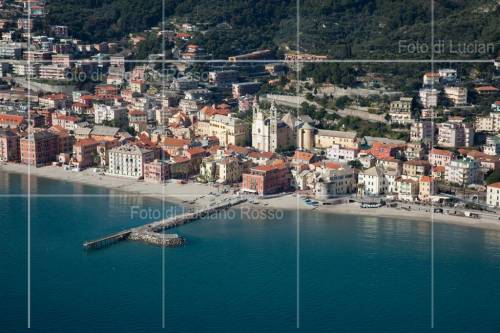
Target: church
{"points": [[269, 133]]}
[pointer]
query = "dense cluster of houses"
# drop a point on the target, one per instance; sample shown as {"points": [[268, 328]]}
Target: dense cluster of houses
{"points": [[217, 131]]}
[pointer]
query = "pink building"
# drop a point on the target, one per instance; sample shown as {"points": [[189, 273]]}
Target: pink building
{"points": [[9, 145], [156, 171]]}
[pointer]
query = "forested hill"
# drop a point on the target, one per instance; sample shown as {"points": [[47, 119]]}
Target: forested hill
{"points": [[340, 28]]}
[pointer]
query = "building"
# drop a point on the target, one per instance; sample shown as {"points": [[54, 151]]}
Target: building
{"points": [[458, 95], [372, 181], [128, 161], [55, 72], [415, 150], [324, 139], [268, 132], [400, 111], [493, 195], [448, 75], [105, 113], [266, 179], [416, 168], [223, 79], [333, 182], [156, 171], [245, 88], [343, 155], [440, 157], [11, 120], [39, 148], [455, 135], [408, 189], [463, 172], [85, 153], [429, 97], [431, 78], [228, 129], [426, 188], [492, 145], [9, 146], [66, 122]]}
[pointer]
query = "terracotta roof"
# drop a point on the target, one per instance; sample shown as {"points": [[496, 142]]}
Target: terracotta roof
{"points": [[303, 156], [442, 152], [426, 179], [85, 142], [176, 142], [11, 118], [495, 185], [196, 151], [486, 88]]}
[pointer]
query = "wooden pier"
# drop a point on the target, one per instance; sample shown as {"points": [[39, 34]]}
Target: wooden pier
{"points": [[152, 232]]}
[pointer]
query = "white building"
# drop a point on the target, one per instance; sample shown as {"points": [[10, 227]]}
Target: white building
{"points": [[128, 161], [448, 75], [422, 130], [372, 181], [458, 95], [429, 97], [334, 182], [492, 145], [400, 111], [455, 135], [463, 172], [103, 113], [342, 155], [493, 195]]}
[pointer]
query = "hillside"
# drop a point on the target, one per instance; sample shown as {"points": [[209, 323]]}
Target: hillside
{"points": [[339, 28]]}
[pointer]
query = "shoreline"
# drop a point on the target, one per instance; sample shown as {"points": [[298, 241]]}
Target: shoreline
{"points": [[195, 194]]}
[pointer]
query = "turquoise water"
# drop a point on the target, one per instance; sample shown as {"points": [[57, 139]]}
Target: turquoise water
{"points": [[356, 274]]}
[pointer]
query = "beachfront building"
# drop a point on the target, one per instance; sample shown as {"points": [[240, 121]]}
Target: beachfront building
{"points": [[39, 148], [372, 181], [408, 189], [85, 153], [9, 146], [332, 182], [493, 195], [426, 188], [266, 179], [128, 161], [463, 172], [156, 171]]}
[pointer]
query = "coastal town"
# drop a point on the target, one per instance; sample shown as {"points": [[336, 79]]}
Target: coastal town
{"points": [[248, 125]]}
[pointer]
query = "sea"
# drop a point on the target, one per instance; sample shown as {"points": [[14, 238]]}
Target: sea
{"points": [[288, 272]]}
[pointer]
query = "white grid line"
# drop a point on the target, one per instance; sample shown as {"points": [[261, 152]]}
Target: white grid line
{"points": [[298, 68], [283, 61], [297, 62], [30, 149], [163, 294], [432, 186]]}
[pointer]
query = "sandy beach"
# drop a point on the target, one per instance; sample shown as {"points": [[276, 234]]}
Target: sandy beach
{"points": [[198, 195]]}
